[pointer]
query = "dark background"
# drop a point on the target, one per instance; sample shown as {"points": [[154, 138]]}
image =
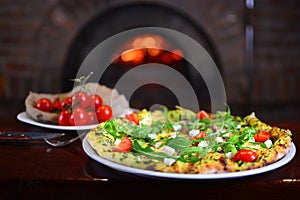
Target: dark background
{"points": [[36, 38]]}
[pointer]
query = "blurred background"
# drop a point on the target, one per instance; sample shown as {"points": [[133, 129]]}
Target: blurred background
{"points": [[255, 45]]}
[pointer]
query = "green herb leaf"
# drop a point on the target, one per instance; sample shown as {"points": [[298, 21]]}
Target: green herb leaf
{"points": [[110, 128], [147, 151], [179, 143]]}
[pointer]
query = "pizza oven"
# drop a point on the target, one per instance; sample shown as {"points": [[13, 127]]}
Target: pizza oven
{"points": [[58, 35], [143, 48]]}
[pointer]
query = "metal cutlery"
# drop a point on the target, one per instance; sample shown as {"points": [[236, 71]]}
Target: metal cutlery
{"points": [[15, 137]]}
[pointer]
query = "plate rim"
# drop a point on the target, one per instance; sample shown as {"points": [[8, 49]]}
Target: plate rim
{"points": [[22, 116], [147, 173]]}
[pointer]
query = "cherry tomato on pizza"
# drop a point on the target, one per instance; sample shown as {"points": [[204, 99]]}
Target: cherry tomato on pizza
{"points": [[133, 117], [262, 136], [202, 134], [245, 155], [202, 114], [124, 146]]}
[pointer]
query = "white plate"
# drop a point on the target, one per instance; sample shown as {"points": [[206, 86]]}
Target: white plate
{"points": [[24, 118], [93, 154]]}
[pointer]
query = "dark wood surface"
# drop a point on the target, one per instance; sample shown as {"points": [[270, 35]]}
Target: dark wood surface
{"points": [[36, 170]]}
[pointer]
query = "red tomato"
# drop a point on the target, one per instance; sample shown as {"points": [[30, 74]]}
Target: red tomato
{"points": [[44, 104], [203, 115], [245, 155], [124, 146], [104, 113], [95, 101], [81, 98], [200, 135], [63, 118], [92, 119], [262, 136], [66, 103], [57, 104], [79, 117], [71, 120], [133, 117], [73, 96]]}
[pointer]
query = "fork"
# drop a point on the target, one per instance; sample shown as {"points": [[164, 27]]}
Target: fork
{"points": [[62, 143]]}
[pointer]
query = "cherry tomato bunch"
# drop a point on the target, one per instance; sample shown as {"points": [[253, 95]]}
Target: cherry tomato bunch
{"points": [[78, 109]]}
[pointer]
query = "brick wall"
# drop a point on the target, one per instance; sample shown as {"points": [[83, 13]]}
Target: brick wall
{"points": [[35, 37], [276, 52]]}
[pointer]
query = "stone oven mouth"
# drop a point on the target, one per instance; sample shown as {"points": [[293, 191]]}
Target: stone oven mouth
{"points": [[141, 49]]}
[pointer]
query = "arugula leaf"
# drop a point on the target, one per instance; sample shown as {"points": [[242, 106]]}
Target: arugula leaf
{"points": [[230, 147], [147, 151], [141, 132], [228, 113], [110, 128], [179, 143], [124, 126], [234, 138], [247, 134], [199, 124], [192, 154]]}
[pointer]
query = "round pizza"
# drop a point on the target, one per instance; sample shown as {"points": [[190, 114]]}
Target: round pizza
{"points": [[182, 141]]}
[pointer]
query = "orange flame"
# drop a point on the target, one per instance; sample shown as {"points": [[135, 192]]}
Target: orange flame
{"points": [[137, 50]]}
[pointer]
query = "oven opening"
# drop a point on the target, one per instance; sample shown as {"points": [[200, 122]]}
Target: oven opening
{"points": [[145, 48]]}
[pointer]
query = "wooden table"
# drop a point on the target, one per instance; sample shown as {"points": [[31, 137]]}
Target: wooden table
{"points": [[37, 170]]}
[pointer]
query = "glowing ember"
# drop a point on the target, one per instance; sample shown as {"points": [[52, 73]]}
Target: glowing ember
{"points": [[177, 54], [134, 55], [153, 52], [144, 46]]}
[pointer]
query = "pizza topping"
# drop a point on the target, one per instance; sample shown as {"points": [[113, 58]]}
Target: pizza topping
{"points": [[124, 145], [167, 150], [219, 139], [149, 152], [203, 144], [268, 143], [177, 127], [202, 134], [203, 115], [245, 155], [117, 141], [152, 136], [229, 155], [193, 132], [157, 145], [169, 161], [262, 136], [132, 117], [180, 136]]}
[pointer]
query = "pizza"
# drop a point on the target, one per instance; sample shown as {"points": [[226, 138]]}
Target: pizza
{"points": [[183, 141]]}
